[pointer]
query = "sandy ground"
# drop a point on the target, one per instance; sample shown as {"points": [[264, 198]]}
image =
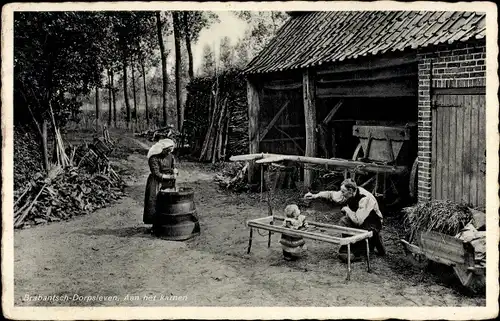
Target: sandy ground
{"points": [[111, 253]]}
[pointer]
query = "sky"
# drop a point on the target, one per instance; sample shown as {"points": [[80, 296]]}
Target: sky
{"points": [[229, 26]]}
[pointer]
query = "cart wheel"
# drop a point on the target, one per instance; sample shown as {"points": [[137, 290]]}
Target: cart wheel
{"points": [[367, 181], [358, 152]]}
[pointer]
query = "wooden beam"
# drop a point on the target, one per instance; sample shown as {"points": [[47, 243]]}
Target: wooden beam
{"points": [[382, 132], [249, 157], [309, 98], [273, 121], [332, 112], [289, 126], [376, 89], [459, 91], [253, 123], [334, 141], [369, 64], [280, 139], [336, 228], [366, 79], [297, 233], [293, 140], [355, 238], [356, 166], [283, 86]]}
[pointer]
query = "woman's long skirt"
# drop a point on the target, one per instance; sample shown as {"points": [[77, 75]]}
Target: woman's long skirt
{"points": [[153, 186]]}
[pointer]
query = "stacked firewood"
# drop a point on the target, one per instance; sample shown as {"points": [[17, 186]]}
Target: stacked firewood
{"points": [[234, 177], [216, 116], [62, 194], [73, 185]]}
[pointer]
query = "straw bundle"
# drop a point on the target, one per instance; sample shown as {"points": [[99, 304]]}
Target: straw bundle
{"points": [[444, 217]]}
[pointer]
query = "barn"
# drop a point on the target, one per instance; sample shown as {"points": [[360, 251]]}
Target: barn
{"points": [[327, 72]]}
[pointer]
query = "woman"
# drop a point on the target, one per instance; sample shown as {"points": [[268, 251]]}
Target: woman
{"points": [[163, 174]]}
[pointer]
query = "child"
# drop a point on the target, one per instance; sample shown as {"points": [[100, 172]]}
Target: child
{"points": [[293, 246]]}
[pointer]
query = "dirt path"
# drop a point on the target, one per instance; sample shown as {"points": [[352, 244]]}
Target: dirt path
{"points": [[111, 253]]}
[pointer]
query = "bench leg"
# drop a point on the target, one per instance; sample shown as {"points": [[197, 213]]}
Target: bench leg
{"points": [[269, 238], [368, 255], [348, 262], [250, 241]]}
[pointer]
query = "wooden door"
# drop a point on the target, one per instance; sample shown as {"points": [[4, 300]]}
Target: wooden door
{"points": [[459, 148]]}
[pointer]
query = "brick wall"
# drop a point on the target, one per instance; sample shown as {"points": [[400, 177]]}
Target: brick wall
{"points": [[455, 66]]}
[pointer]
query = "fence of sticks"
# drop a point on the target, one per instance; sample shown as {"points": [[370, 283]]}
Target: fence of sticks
{"points": [[216, 116]]}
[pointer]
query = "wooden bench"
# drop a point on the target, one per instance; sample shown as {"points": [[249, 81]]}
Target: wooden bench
{"points": [[316, 231]]}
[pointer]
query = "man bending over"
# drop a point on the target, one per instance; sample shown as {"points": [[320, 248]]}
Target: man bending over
{"points": [[361, 211]]}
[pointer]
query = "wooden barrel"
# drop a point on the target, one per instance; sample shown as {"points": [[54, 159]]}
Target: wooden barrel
{"points": [[176, 218]]}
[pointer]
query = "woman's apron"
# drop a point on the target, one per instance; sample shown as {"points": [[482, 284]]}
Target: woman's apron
{"points": [[153, 186]]}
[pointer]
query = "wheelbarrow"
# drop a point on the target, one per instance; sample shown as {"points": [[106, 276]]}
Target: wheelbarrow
{"points": [[450, 251]]}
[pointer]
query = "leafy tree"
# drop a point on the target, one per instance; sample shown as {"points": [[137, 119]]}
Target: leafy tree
{"points": [[131, 27], [193, 22], [226, 56], [208, 61], [147, 57], [263, 25], [241, 58], [56, 59]]}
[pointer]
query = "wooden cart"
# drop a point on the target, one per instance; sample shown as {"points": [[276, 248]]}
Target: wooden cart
{"points": [[316, 231], [450, 251], [387, 145]]}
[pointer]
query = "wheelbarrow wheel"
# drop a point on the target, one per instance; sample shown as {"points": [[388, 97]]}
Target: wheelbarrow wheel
{"points": [[473, 282]]}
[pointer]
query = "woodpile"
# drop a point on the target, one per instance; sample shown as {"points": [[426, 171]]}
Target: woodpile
{"points": [[234, 177], [216, 116], [73, 185], [27, 156], [62, 194]]}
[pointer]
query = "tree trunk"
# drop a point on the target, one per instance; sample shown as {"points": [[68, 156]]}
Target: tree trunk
{"points": [[188, 46], [135, 96], [163, 67], [125, 89], [145, 92], [44, 145], [178, 59], [97, 107], [110, 98], [114, 96]]}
